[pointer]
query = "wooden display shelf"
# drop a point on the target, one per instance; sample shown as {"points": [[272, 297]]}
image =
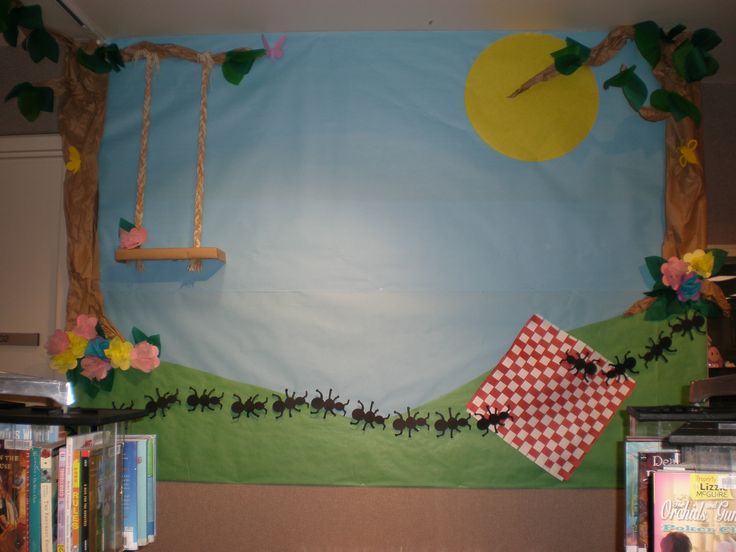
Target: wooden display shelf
{"points": [[169, 254]]}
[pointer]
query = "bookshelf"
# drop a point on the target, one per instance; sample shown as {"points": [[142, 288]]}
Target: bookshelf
{"points": [[79, 450]]}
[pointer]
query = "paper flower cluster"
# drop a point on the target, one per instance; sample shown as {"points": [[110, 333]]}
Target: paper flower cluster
{"points": [[678, 282], [86, 348]]}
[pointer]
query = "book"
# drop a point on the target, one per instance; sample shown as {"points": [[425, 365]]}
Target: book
{"points": [[142, 489], [14, 499], [633, 446], [84, 510], [74, 444], [49, 493], [693, 510], [34, 501], [61, 502], [151, 477], [110, 489], [650, 462], [129, 478]]}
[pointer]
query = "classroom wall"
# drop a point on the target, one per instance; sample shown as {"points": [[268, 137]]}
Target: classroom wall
{"points": [[194, 517]]}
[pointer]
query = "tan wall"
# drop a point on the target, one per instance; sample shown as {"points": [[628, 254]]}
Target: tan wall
{"points": [[198, 517]]}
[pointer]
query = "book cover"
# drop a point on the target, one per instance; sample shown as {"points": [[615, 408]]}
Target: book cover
{"points": [[14, 499], [94, 527], [693, 511], [49, 464], [650, 462], [75, 510], [632, 447], [130, 495]]}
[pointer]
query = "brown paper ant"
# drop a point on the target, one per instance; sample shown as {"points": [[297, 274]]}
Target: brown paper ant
{"points": [[329, 404], [368, 417], [453, 423], [656, 351], [494, 419], [288, 403], [686, 326], [619, 368], [582, 364], [162, 403], [250, 406], [410, 423], [205, 400]]}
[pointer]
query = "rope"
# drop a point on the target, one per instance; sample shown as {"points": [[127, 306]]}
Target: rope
{"points": [[151, 59], [195, 265]]}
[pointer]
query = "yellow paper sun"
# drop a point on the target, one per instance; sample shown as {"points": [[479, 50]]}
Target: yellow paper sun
{"points": [[543, 123]]}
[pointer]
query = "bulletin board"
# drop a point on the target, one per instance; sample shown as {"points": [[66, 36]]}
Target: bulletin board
{"points": [[387, 238]]}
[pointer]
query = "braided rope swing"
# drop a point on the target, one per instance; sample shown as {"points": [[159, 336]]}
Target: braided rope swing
{"points": [[151, 60], [206, 60], [195, 265]]}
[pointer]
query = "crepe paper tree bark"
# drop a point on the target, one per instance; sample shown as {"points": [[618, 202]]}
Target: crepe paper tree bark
{"points": [[685, 201]]}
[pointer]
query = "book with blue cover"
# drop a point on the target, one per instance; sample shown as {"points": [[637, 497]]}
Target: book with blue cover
{"points": [[130, 495]]}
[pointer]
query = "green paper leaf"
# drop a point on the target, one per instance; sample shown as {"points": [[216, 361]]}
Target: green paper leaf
{"points": [[156, 341], [106, 384], [10, 31], [634, 89], [719, 258], [570, 58], [99, 330], [682, 107], [672, 102], [125, 225], [654, 266], [707, 308], [4, 11], [103, 60], [30, 17], [675, 306], [138, 336], [646, 37], [31, 99], [658, 310], [711, 65], [237, 64], [40, 44], [673, 32], [705, 39]]}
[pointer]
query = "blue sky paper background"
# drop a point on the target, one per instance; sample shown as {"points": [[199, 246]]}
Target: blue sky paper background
{"points": [[375, 244]]}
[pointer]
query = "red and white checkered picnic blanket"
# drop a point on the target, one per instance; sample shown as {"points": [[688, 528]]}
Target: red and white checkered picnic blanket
{"points": [[556, 415]]}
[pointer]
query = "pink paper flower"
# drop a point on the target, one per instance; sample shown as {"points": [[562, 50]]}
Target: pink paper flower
{"points": [[673, 272], [57, 343], [144, 357], [86, 326], [95, 368], [134, 238]]}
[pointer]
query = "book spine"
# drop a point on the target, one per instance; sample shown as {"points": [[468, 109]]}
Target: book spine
{"points": [[75, 502], [142, 481], [60, 533], [49, 467], [130, 499], [34, 502], [151, 487], [84, 513]]}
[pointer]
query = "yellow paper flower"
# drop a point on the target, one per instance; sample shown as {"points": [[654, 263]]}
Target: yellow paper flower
{"points": [[77, 344], [700, 262], [75, 160], [63, 362], [119, 353]]}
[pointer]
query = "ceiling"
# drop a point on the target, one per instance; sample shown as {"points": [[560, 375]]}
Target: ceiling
{"points": [[112, 19]]}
